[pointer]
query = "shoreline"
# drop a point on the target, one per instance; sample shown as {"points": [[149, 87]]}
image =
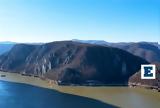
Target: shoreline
{"points": [[18, 78], [100, 93], [137, 85]]}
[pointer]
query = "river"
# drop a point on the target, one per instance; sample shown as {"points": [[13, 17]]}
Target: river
{"points": [[16, 95]]}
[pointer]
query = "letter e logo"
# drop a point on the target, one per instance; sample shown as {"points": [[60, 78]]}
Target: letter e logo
{"points": [[148, 72]]}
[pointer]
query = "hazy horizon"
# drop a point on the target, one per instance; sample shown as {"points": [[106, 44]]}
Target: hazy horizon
{"points": [[76, 39], [56, 20]]}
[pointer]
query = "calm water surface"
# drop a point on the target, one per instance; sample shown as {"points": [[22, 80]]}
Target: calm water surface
{"points": [[14, 95]]}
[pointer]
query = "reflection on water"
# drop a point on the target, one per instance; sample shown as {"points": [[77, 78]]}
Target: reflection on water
{"points": [[13, 95]]}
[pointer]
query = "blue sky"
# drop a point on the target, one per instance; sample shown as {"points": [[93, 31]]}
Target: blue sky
{"points": [[52, 20]]}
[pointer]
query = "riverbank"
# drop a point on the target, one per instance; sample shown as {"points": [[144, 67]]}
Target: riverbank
{"points": [[104, 94], [135, 85]]}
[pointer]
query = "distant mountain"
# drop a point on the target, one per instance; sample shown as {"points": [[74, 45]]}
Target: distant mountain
{"points": [[6, 46], [72, 62], [149, 51], [144, 50], [96, 42]]}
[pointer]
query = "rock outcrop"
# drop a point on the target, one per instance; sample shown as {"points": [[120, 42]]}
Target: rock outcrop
{"points": [[136, 80]]}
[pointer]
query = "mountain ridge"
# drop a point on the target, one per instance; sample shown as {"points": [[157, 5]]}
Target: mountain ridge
{"points": [[149, 51], [72, 62], [6, 46]]}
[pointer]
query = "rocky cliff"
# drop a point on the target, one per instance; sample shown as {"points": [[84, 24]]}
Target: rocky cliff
{"points": [[72, 62]]}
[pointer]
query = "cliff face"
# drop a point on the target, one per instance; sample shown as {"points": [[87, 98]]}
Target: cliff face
{"points": [[72, 62]]}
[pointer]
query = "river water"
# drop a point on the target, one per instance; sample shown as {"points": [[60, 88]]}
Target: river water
{"points": [[15, 95]]}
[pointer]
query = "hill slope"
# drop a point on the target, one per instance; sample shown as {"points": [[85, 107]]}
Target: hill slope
{"points": [[5, 46], [72, 62], [149, 51], [144, 50]]}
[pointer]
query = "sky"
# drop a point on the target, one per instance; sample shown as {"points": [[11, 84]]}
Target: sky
{"points": [[55, 20]]}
